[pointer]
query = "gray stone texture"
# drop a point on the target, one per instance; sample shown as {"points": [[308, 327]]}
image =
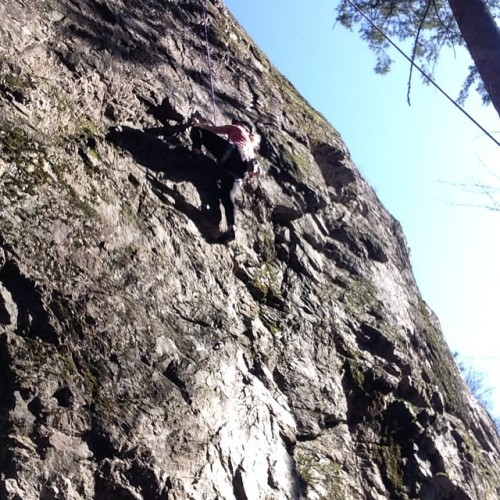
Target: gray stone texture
{"points": [[139, 359]]}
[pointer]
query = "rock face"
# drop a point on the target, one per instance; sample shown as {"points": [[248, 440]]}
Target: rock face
{"points": [[141, 360]]}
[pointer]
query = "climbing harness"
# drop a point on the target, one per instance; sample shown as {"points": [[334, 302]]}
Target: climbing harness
{"points": [[253, 169], [227, 154], [252, 165], [209, 58]]}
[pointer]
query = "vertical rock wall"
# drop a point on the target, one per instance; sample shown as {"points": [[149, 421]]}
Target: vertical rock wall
{"points": [[141, 360]]}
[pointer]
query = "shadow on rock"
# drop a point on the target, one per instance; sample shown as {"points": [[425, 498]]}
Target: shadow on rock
{"points": [[123, 33], [176, 164]]}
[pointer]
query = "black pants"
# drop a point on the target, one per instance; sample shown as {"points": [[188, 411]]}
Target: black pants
{"points": [[228, 189], [230, 171]]}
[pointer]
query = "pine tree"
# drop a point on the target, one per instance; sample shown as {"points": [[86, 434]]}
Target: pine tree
{"points": [[432, 25]]}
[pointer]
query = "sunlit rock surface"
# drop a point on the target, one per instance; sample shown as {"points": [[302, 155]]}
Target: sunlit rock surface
{"points": [[139, 359]]}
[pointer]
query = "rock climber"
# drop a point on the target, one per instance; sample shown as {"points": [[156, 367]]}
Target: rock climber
{"points": [[235, 156]]}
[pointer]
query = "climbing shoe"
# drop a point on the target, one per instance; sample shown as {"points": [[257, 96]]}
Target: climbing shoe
{"points": [[226, 237]]}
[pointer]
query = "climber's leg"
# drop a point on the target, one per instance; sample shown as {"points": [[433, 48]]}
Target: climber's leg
{"points": [[214, 144]]}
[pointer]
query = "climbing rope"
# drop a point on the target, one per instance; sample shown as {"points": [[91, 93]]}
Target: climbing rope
{"points": [[209, 58], [423, 73]]}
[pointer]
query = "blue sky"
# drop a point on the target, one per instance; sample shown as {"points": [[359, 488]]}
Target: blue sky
{"points": [[416, 158]]}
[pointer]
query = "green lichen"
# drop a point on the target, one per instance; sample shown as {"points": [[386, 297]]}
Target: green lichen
{"points": [[91, 159], [321, 475], [443, 375], [93, 152], [89, 377], [15, 82], [356, 370], [473, 453], [35, 351], [470, 447], [265, 244], [19, 147], [297, 162], [267, 280], [88, 128], [29, 162], [310, 122], [390, 457], [61, 102], [361, 295], [102, 403], [93, 374], [68, 368], [48, 360], [269, 323]]}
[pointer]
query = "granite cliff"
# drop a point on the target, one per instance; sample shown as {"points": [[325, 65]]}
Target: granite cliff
{"points": [[141, 360]]}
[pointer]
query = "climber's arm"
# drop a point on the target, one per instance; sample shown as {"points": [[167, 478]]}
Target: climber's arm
{"points": [[223, 129]]}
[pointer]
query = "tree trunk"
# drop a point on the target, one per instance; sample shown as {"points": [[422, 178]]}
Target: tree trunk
{"points": [[482, 37]]}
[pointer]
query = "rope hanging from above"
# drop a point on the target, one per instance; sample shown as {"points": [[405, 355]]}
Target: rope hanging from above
{"points": [[209, 59]]}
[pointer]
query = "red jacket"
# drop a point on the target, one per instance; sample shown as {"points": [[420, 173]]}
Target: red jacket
{"points": [[237, 136]]}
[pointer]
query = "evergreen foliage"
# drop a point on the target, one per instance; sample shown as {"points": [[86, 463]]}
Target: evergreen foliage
{"points": [[428, 24]]}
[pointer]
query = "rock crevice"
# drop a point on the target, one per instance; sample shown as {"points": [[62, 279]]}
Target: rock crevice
{"points": [[139, 358]]}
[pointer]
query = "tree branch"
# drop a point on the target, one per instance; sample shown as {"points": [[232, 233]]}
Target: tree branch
{"points": [[415, 47]]}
